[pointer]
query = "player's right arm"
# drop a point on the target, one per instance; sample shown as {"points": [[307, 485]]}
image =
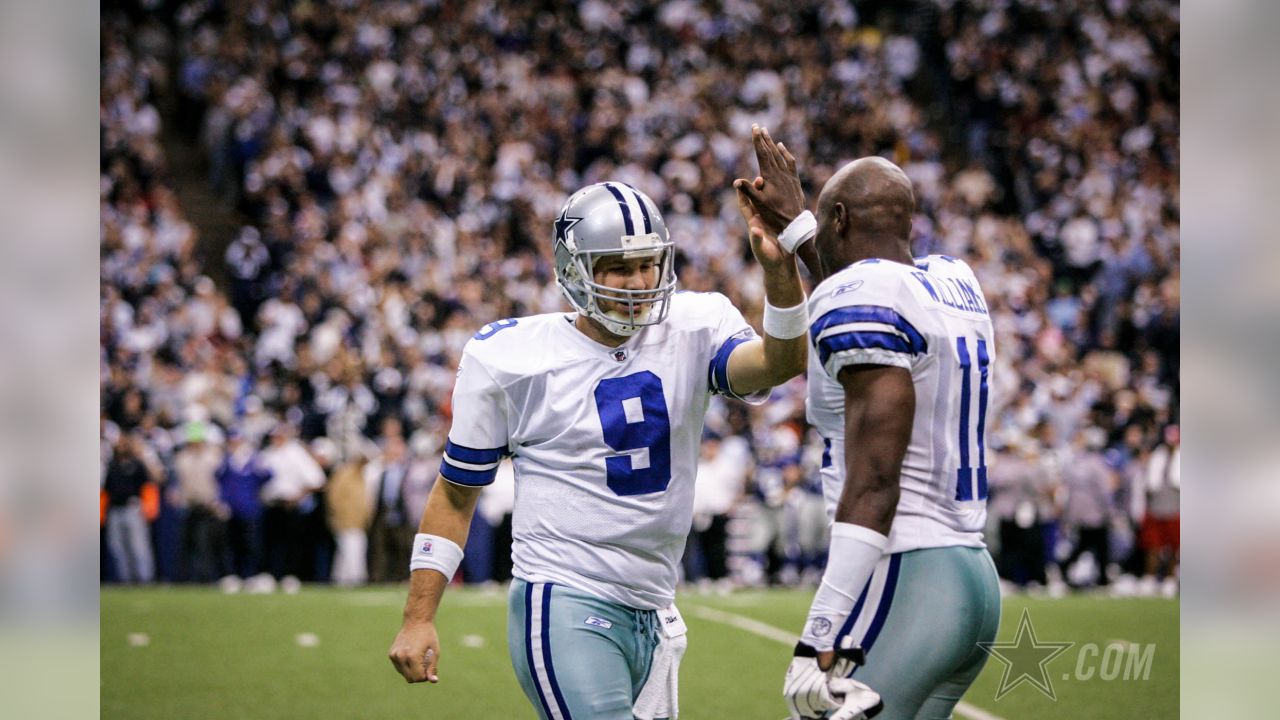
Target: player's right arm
{"points": [[880, 402], [477, 441], [416, 649], [866, 341]]}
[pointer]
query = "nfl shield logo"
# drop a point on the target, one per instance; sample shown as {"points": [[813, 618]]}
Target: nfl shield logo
{"points": [[620, 354], [426, 547]]}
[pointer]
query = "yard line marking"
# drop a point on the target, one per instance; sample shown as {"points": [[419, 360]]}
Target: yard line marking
{"points": [[306, 639], [138, 639], [742, 622], [770, 632], [974, 713], [1122, 641]]}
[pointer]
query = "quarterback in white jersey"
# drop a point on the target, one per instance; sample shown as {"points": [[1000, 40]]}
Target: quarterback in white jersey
{"points": [[900, 367], [602, 412], [604, 441]]}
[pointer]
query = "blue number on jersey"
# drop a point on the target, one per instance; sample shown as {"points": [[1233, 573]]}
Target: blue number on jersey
{"points": [[633, 415], [965, 489], [492, 328]]}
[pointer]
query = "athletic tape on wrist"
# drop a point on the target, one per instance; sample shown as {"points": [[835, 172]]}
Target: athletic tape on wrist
{"points": [[855, 551], [432, 552], [786, 323], [802, 228]]}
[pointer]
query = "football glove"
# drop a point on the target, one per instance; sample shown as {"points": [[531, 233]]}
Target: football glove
{"points": [[859, 702], [805, 687], [848, 658], [811, 692]]}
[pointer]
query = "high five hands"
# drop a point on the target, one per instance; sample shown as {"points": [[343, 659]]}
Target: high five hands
{"points": [[775, 195]]}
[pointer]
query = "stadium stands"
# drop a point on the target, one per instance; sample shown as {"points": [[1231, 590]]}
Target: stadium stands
{"points": [[399, 163]]}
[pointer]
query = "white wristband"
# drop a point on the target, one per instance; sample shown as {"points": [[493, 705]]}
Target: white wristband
{"points": [[432, 552], [855, 551], [786, 323], [802, 228]]}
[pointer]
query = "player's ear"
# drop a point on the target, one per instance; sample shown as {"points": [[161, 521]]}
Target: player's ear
{"points": [[839, 218]]}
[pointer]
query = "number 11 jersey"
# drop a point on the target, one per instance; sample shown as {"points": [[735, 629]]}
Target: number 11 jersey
{"points": [[604, 441], [931, 319]]}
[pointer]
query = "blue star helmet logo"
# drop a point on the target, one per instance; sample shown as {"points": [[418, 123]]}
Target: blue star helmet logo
{"points": [[564, 223]]}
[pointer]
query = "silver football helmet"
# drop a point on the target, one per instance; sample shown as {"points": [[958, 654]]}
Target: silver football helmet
{"points": [[613, 218]]}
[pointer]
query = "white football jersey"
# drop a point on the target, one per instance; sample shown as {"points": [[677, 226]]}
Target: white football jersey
{"points": [[932, 320], [604, 441]]}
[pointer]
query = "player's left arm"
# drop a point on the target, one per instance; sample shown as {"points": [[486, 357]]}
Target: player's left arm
{"points": [[880, 405], [779, 355]]}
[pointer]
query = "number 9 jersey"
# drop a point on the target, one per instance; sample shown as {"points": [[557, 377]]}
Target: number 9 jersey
{"points": [[930, 319], [604, 441]]}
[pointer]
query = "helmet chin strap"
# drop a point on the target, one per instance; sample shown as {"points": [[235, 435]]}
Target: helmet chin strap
{"points": [[620, 324]]}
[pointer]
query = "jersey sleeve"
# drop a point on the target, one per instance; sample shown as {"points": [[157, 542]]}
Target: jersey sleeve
{"points": [[731, 331], [870, 327], [478, 438]]}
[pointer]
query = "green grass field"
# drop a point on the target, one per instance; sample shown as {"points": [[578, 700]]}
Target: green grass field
{"points": [[195, 653]]}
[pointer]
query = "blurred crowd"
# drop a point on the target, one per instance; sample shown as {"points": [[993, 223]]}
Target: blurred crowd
{"points": [[399, 164]]}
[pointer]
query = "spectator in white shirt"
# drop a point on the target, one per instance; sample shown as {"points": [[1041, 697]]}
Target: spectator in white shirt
{"points": [[290, 499]]}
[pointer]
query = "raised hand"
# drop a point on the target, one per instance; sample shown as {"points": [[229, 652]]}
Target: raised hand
{"points": [[776, 194], [764, 242]]}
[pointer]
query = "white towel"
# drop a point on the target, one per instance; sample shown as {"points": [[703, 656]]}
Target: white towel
{"points": [[660, 696]]}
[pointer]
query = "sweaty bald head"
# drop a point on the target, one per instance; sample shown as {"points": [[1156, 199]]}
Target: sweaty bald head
{"points": [[865, 210]]}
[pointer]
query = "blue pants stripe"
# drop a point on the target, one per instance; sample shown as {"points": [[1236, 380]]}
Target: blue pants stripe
{"points": [[528, 644], [546, 650], [886, 601], [883, 605], [853, 614]]}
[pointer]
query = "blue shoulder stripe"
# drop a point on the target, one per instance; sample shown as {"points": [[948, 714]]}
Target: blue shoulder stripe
{"points": [[473, 478], [475, 456], [870, 313], [861, 340], [718, 372]]}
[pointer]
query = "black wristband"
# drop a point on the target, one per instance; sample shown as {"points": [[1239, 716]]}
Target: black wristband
{"points": [[803, 650]]}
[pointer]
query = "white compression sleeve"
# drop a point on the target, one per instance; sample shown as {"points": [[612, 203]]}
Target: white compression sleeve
{"points": [[855, 550]]}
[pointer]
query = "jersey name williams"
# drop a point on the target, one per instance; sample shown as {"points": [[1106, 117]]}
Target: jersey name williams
{"points": [[955, 293]]}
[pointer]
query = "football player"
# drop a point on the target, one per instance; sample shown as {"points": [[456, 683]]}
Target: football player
{"points": [[601, 410], [900, 375]]}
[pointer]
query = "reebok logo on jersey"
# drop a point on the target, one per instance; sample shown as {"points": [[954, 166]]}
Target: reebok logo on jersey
{"points": [[847, 287], [598, 622]]}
